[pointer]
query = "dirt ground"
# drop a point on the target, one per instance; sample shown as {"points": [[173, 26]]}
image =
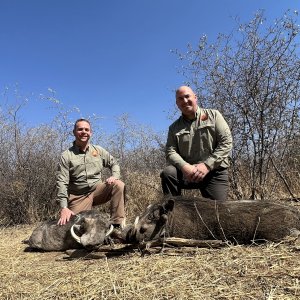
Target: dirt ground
{"points": [[270, 271]]}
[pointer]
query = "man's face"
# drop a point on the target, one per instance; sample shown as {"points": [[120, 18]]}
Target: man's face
{"points": [[82, 132], [186, 101]]}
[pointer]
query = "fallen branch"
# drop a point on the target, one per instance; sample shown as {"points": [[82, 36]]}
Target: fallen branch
{"points": [[179, 242], [175, 245]]}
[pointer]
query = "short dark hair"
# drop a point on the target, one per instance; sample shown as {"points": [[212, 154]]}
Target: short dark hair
{"points": [[81, 120]]}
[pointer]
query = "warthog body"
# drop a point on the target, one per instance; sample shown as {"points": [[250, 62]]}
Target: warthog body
{"points": [[87, 229], [241, 222]]}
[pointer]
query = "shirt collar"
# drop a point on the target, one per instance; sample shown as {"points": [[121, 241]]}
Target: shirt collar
{"points": [[77, 149], [197, 114]]}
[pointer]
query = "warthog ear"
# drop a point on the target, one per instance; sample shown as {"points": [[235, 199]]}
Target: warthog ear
{"points": [[77, 218], [169, 205]]}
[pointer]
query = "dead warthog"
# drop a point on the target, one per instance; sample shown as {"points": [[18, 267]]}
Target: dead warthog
{"points": [[241, 222], [87, 229]]}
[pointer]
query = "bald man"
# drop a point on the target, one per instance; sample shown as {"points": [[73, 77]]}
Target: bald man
{"points": [[197, 150]]}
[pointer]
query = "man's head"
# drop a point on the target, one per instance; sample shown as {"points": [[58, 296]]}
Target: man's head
{"points": [[186, 101], [82, 132]]}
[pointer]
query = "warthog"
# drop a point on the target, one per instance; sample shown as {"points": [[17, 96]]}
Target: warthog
{"points": [[241, 222], [87, 229]]}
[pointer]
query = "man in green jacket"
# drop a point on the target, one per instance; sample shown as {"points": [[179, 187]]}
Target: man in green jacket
{"points": [[79, 178], [197, 150]]}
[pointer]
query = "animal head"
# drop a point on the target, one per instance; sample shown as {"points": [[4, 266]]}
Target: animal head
{"points": [[90, 230], [152, 223]]}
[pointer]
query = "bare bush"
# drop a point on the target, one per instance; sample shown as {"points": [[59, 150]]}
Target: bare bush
{"points": [[252, 76], [27, 183], [30, 155], [141, 155], [28, 162]]}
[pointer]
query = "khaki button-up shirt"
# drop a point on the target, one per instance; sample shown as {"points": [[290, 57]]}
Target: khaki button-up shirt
{"points": [[78, 172], [205, 139]]}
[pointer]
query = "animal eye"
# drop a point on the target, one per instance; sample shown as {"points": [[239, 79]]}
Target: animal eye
{"points": [[153, 215], [150, 217]]}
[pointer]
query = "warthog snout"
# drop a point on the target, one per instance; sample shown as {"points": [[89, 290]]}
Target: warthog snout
{"points": [[144, 228], [78, 238]]}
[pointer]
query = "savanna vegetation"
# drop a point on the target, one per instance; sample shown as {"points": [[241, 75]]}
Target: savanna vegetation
{"points": [[252, 75]]}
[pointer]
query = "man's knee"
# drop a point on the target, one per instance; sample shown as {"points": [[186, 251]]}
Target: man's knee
{"points": [[218, 185], [169, 171], [119, 185]]}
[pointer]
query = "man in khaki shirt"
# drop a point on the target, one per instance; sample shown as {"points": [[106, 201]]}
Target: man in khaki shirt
{"points": [[197, 150], [79, 178]]}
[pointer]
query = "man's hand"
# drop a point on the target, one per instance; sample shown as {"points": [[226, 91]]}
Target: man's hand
{"points": [[195, 173], [188, 172], [111, 180], [65, 215], [202, 170]]}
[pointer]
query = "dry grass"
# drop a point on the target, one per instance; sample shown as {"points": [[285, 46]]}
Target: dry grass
{"points": [[235, 272]]}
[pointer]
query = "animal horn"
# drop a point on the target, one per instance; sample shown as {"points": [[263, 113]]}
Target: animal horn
{"points": [[110, 230], [136, 221], [74, 235]]}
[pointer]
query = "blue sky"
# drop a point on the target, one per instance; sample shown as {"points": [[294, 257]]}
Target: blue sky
{"points": [[110, 57]]}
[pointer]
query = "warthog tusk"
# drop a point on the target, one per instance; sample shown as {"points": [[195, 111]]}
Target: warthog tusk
{"points": [[74, 235], [136, 221], [110, 230]]}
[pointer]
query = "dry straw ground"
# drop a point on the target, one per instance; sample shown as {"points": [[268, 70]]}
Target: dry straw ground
{"points": [[234, 272]]}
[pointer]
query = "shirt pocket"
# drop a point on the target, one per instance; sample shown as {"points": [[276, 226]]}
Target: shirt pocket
{"points": [[77, 168], [94, 166], [205, 136], [183, 142]]}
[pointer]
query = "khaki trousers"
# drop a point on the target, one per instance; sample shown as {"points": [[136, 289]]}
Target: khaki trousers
{"points": [[103, 193]]}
